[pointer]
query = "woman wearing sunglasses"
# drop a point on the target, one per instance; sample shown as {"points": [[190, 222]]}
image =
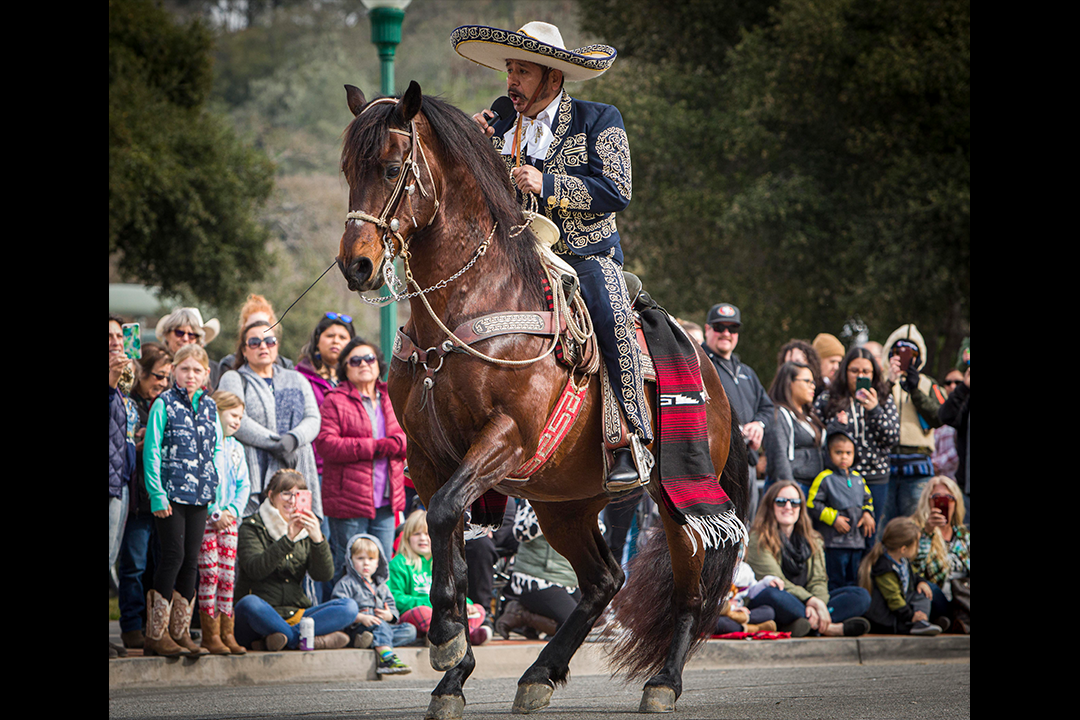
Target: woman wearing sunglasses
{"points": [[784, 546], [363, 451], [320, 355], [281, 417]]}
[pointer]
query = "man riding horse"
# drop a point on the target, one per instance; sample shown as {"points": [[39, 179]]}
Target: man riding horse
{"points": [[575, 157]]}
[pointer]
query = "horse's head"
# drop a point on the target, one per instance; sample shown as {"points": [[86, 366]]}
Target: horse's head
{"points": [[392, 187]]}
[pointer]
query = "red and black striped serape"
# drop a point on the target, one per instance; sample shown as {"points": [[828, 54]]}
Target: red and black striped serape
{"points": [[687, 478]]}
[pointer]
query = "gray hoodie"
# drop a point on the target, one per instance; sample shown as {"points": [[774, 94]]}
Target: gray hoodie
{"points": [[352, 585]]}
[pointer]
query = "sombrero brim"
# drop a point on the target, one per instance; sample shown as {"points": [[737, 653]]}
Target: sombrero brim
{"points": [[492, 47]]}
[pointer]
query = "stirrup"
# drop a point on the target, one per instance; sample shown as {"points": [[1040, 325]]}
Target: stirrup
{"points": [[632, 467]]}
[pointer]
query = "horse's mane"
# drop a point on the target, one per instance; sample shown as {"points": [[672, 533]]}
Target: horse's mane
{"points": [[462, 146]]}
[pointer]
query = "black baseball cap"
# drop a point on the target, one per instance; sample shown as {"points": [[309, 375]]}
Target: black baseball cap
{"points": [[724, 313]]}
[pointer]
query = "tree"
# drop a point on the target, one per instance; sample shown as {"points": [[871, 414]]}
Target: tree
{"points": [[184, 193], [817, 171]]}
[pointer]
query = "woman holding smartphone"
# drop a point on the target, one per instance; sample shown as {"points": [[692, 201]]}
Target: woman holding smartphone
{"points": [[859, 398], [944, 554], [363, 452], [276, 548]]}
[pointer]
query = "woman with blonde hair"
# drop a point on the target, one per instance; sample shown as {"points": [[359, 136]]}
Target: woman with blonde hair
{"points": [[944, 553], [784, 546]]}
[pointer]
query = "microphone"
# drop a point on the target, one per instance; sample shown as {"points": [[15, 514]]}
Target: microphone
{"points": [[502, 108]]}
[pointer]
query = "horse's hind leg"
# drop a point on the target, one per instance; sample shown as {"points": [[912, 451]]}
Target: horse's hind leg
{"points": [[700, 580], [572, 531]]}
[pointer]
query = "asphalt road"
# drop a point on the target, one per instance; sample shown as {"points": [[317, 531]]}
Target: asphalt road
{"points": [[860, 692]]}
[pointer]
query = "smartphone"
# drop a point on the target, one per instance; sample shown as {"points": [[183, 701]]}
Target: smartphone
{"points": [[132, 340], [862, 383], [303, 500], [941, 504], [905, 354]]}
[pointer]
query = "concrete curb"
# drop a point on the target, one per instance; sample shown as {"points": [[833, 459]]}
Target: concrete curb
{"points": [[510, 659]]}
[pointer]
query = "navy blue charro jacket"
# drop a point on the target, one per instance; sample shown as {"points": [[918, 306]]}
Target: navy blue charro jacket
{"points": [[587, 176]]}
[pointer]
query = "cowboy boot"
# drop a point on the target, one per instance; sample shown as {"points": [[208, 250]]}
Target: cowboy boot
{"points": [[331, 641], [623, 475], [540, 623], [228, 635], [211, 634], [510, 619], [180, 624], [767, 626], [133, 638], [158, 641]]}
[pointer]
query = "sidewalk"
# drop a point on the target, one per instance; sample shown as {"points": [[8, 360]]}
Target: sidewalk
{"points": [[510, 658]]}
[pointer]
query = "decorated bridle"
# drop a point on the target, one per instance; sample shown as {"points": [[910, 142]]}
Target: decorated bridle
{"points": [[387, 220]]}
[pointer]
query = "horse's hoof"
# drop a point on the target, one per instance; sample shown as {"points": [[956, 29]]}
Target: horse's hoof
{"points": [[532, 697], [657, 699], [445, 707], [449, 654]]}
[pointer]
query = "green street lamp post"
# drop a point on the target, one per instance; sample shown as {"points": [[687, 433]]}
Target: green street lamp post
{"points": [[386, 18]]}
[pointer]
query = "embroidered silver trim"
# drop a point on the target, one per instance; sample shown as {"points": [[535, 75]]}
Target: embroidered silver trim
{"points": [[502, 323]]}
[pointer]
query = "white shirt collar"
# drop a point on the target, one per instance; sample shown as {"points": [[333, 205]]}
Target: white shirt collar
{"points": [[536, 134]]}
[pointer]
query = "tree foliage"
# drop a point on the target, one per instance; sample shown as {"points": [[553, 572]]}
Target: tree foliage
{"points": [[184, 193], [818, 170]]}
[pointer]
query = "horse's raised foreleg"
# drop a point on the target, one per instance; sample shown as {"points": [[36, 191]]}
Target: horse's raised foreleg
{"points": [[572, 531], [494, 454]]}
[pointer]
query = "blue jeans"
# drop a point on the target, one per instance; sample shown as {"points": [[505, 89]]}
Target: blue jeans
{"points": [[880, 493], [342, 529], [387, 634], [139, 545], [118, 510], [939, 604], [842, 567], [845, 603], [255, 618]]}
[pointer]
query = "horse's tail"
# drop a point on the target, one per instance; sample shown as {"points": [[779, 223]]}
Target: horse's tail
{"points": [[645, 607]]}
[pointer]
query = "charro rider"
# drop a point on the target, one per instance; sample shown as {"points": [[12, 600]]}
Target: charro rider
{"points": [[575, 157]]}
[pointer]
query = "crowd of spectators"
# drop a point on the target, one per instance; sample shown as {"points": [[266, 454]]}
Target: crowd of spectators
{"points": [[273, 496]]}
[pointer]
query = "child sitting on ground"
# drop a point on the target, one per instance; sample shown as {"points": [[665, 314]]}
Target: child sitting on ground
{"points": [[377, 622], [410, 581], [900, 598], [735, 617], [842, 508]]}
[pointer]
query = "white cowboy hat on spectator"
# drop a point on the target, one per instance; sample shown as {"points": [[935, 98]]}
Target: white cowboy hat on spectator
{"points": [[536, 42], [191, 317]]}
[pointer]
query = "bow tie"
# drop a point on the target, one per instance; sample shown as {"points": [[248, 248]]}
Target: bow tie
{"points": [[535, 138]]}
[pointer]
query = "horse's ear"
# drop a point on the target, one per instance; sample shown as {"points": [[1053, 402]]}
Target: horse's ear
{"points": [[355, 98], [410, 102]]}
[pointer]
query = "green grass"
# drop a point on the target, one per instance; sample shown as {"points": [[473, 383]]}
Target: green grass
{"points": [[114, 608]]}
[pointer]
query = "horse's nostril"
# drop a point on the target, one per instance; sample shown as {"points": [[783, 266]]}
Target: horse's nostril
{"points": [[359, 272]]}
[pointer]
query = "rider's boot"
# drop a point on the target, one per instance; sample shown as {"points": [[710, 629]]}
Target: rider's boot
{"points": [[623, 474]]}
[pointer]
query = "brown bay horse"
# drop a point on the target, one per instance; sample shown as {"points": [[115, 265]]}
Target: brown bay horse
{"points": [[426, 184]]}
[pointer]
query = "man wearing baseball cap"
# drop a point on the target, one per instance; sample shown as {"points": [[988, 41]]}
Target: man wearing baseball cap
{"points": [[745, 392]]}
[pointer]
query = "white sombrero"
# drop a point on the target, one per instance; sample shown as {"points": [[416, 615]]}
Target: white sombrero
{"points": [[536, 42]]}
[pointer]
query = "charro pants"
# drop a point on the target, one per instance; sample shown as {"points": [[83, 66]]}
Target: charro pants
{"points": [[605, 295]]}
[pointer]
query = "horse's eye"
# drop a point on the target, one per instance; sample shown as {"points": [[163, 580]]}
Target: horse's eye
{"points": [[392, 172]]}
